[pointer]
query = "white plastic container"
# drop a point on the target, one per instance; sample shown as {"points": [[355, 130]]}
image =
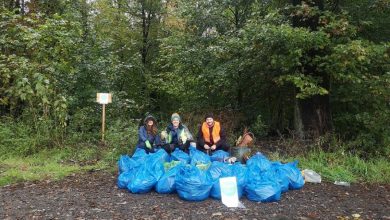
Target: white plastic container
{"points": [[311, 176], [342, 183]]}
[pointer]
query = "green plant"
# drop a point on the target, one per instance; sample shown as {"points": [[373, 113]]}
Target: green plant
{"points": [[259, 128]]}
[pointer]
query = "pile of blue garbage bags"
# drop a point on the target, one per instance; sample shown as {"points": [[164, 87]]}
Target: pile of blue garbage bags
{"points": [[195, 176]]}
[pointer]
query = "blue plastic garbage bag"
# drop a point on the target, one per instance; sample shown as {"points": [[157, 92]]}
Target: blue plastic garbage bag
{"points": [[140, 155], [281, 177], [159, 156], [166, 184], [198, 157], [180, 155], [149, 173], [218, 170], [219, 155], [263, 191], [259, 163], [192, 183], [294, 175], [239, 170], [125, 178], [262, 186], [125, 163]]}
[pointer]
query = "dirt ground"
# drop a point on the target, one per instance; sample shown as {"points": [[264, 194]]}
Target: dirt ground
{"points": [[94, 195]]}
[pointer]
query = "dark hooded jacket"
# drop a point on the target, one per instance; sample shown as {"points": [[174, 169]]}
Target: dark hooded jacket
{"points": [[143, 135]]}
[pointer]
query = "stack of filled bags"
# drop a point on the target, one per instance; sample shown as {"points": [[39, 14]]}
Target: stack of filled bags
{"points": [[195, 177]]}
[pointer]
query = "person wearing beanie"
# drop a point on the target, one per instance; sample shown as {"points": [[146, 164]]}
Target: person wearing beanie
{"points": [[177, 135], [148, 137], [211, 136]]}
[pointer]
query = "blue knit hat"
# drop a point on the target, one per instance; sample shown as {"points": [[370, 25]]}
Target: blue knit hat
{"points": [[175, 116]]}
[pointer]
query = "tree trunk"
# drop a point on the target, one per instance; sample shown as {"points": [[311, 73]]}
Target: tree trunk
{"points": [[22, 7], [145, 33], [313, 114]]}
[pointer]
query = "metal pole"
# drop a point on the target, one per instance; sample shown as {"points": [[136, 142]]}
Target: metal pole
{"points": [[103, 120]]}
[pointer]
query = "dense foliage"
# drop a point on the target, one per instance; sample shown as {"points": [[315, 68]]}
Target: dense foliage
{"points": [[298, 68]]}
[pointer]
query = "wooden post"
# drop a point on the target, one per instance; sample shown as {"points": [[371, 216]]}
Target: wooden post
{"points": [[103, 98], [103, 121]]}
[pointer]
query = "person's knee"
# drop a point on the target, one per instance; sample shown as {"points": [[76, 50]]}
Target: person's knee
{"points": [[225, 147]]}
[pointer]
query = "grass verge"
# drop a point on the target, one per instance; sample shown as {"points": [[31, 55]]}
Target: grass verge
{"points": [[56, 164], [342, 166], [49, 164]]}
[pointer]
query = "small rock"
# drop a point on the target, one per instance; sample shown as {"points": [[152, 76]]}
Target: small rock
{"points": [[216, 214]]}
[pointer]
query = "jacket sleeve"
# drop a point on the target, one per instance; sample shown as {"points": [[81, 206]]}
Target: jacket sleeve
{"points": [[188, 133], [142, 134], [222, 141], [157, 139], [200, 139], [168, 139]]}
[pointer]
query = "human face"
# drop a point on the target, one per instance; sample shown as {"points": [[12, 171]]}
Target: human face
{"points": [[210, 122], [175, 123], [150, 122]]}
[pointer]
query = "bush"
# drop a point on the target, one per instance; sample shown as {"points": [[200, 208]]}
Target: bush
{"points": [[121, 138], [259, 128], [20, 138]]}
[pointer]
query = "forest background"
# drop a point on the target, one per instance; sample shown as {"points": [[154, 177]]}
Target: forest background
{"points": [[310, 78]]}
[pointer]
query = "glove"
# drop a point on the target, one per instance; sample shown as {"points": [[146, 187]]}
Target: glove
{"points": [[164, 135], [148, 145], [180, 142]]}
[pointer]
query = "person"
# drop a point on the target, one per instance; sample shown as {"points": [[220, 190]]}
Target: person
{"points": [[211, 136], [177, 135], [148, 137]]}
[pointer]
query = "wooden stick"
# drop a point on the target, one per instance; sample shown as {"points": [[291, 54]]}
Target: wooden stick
{"points": [[103, 120]]}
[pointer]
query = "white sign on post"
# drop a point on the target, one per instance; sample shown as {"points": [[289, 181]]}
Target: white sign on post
{"points": [[103, 98], [229, 192]]}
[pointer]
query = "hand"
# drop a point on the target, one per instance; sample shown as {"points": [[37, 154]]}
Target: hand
{"points": [[207, 147], [148, 145], [164, 135], [213, 147]]}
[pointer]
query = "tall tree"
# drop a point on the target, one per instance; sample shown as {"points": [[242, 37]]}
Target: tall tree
{"points": [[312, 114]]}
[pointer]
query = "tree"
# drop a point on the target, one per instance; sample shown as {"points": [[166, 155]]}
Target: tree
{"points": [[312, 114]]}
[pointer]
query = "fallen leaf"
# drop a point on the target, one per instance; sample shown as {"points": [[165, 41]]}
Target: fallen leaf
{"points": [[356, 215]]}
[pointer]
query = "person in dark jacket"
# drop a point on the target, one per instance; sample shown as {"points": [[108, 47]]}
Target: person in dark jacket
{"points": [[211, 136], [148, 137], [177, 135]]}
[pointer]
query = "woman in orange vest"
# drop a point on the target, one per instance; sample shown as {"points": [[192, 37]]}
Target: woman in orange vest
{"points": [[211, 136]]}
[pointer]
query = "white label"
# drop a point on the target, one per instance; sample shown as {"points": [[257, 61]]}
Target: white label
{"points": [[229, 193], [104, 98]]}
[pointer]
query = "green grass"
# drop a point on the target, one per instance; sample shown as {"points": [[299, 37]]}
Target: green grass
{"points": [[54, 165], [58, 163], [343, 166]]}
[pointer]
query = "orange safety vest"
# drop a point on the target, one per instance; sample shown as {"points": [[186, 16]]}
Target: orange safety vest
{"points": [[215, 132]]}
